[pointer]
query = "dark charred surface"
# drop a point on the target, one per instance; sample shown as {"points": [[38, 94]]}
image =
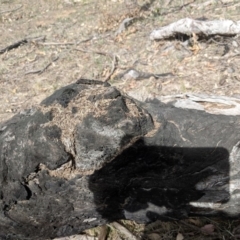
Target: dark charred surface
{"points": [[159, 177], [116, 165], [44, 183]]}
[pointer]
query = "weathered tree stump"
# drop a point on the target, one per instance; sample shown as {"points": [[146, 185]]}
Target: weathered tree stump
{"points": [[89, 155]]}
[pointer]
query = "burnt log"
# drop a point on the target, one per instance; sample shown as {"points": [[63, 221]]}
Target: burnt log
{"points": [[89, 155]]}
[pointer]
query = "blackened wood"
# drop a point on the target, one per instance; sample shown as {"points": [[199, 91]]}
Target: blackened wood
{"points": [[14, 45], [89, 155], [48, 153]]}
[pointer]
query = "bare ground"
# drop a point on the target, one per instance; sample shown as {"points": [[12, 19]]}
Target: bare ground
{"points": [[70, 39]]}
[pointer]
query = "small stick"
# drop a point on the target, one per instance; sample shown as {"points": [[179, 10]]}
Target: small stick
{"points": [[14, 45], [12, 10], [114, 66], [84, 40], [167, 3], [40, 71], [36, 39], [55, 43], [19, 43], [230, 55], [91, 51], [67, 43]]}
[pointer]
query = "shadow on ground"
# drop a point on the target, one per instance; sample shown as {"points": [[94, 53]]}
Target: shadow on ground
{"points": [[148, 182]]}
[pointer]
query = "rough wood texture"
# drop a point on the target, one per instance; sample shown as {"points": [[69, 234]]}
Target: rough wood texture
{"points": [[190, 26], [89, 155]]}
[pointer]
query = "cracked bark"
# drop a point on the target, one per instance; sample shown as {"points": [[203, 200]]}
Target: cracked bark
{"points": [[89, 155]]}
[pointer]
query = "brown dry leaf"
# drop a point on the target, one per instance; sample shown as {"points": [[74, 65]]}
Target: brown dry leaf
{"points": [[105, 72], [76, 237], [195, 37], [195, 49], [195, 221], [132, 84], [154, 236], [210, 66], [103, 231], [208, 229], [133, 30], [124, 231], [179, 237], [119, 38], [164, 54], [14, 90]]}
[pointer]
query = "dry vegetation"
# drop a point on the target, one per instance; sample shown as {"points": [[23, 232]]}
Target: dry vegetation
{"points": [[69, 39]]}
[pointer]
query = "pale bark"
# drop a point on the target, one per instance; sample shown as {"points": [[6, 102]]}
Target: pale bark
{"points": [[208, 103], [189, 26]]}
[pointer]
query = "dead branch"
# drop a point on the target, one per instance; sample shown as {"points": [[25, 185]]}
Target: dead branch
{"points": [[189, 26], [211, 104], [12, 10], [132, 73], [210, 2], [40, 71], [19, 43]]}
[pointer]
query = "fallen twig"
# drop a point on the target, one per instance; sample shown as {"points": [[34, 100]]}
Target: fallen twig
{"points": [[230, 55], [68, 43], [12, 10], [19, 43], [56, 43], [210, 2], [208, 103], [114, 66], [226, 56], [132, 73], [40, 71], [84, 40], [189, 26], [167, 3], [14, 45], [92, 51], [214, 41]]}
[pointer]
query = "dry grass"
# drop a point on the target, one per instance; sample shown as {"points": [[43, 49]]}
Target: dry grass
{"points": [[64, 22], [69, 24]]}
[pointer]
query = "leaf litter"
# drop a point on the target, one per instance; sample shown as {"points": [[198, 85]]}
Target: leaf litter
{"points": [[197, 64]]}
